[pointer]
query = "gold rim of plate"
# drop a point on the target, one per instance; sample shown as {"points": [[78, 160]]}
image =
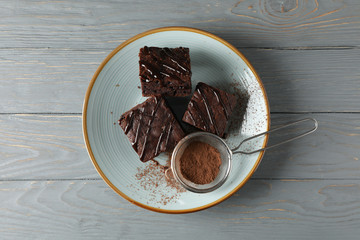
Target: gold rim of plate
{"points": [[86, 101]]}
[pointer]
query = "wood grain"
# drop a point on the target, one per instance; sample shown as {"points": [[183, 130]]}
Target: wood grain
{"points": [[309, 80], [55, 81], [325, 209], [46, 80], [249, 23], [51, 147], [307, 54], [43, 147]]}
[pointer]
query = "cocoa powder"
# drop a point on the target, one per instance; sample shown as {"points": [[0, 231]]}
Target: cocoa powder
{"points": [[200, 163], [160, 190]]}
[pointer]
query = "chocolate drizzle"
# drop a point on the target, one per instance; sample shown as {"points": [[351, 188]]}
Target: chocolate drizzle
{"points": [[169, 133], [129, 123], [135, 142], [170, 68], [209, 110], [197, 109], [158, 143], [191, 115], [144, 126], [218, 98], [149, 127], [165, 71], [173, 57], [154, 69]]}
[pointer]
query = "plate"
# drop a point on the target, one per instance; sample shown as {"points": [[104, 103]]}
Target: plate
{"points": [[115, 88]]}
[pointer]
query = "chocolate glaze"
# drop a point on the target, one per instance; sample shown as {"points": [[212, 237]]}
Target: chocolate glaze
{"points": [[144, 126], [209, 109], [199, 118], [221, 102], [165, 71], [129, 123]]}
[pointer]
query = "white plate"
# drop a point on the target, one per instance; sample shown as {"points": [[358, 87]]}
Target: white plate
{"points": [[114, 90]]}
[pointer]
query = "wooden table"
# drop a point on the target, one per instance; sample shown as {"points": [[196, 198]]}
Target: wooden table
{"points": [[307, 54]]}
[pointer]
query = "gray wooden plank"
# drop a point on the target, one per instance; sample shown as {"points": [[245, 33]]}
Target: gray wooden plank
{"points": [[309, 81], [43, 147], [53, 80], [46, 80], [273, 209], [98, 24], [51, 147]]}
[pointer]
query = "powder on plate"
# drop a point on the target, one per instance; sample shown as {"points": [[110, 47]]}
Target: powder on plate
{"points": [[160, 190], [200, 163]]}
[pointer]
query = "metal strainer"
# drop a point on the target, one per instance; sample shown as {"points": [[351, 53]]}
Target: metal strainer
{"points": [[225, 152]]}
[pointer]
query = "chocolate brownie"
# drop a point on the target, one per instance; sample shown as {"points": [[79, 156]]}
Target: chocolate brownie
{"points": [[209, 109], [165, 71], [151, 128]]}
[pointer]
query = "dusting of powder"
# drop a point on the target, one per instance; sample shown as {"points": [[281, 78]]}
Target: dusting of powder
{"points": [[161, 190]]}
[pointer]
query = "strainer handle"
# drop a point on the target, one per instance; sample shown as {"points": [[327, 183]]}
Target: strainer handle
{"points": [[274, 130]]}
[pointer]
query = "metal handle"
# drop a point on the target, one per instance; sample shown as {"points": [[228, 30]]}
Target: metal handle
{"points": [[276, 129]]}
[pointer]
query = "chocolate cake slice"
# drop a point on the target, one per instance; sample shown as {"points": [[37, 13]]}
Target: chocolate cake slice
{"points": [[209, 109], [151, 128], [165, 71]]}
